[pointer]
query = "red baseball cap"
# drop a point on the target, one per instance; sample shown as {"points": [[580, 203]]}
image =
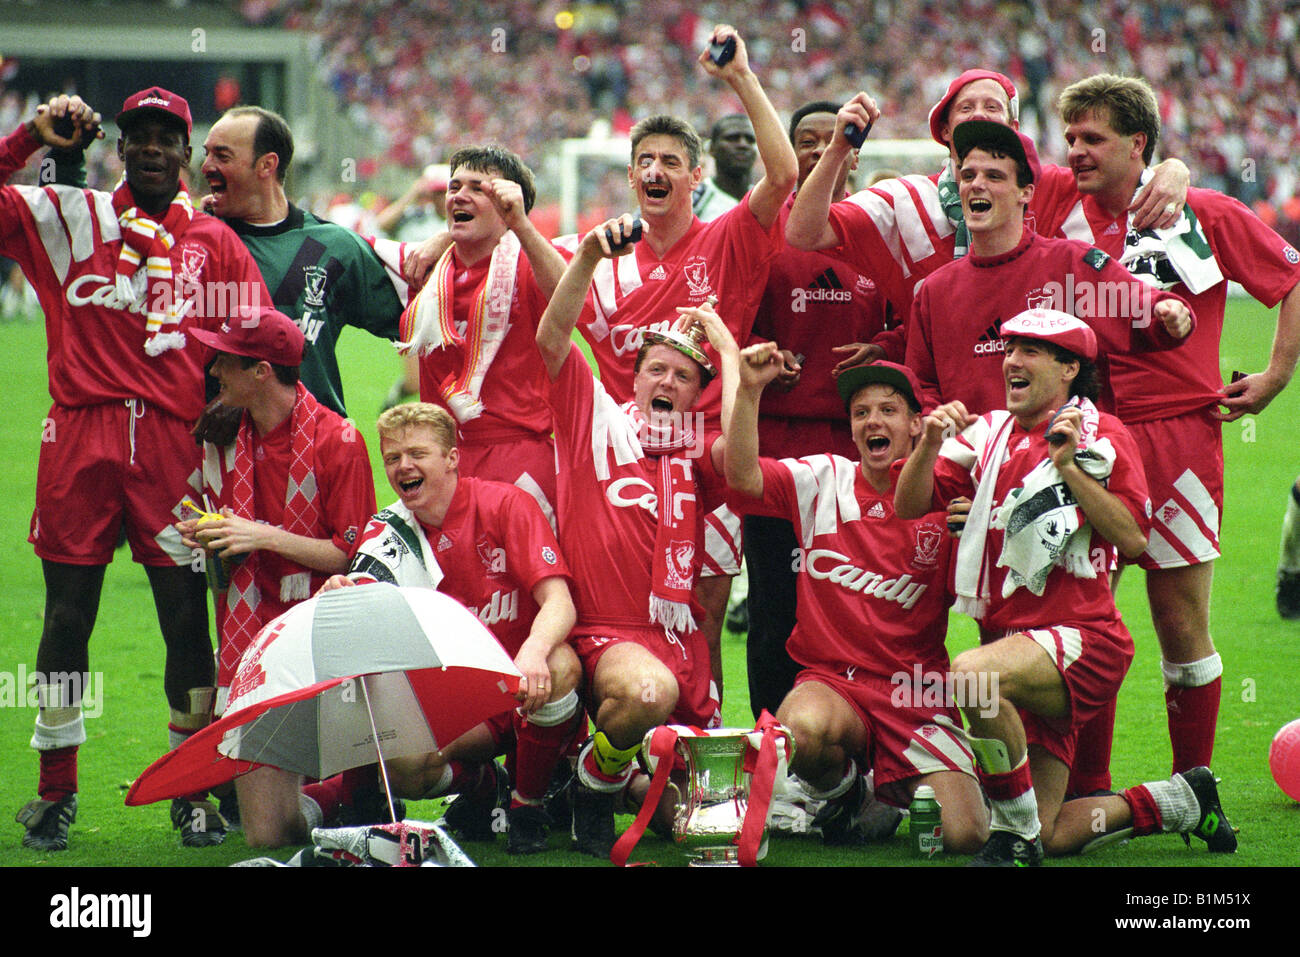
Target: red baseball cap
{"points": [[270, 336], [156, 99], [939, 112], [902, 378], [973, 133], [1052, 325]]}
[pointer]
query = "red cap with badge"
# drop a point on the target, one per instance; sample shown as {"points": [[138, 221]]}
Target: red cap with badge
{"points": [[1056, 327], [155, 99]]}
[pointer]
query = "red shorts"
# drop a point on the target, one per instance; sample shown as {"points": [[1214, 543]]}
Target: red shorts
{"points": [[905, 739], [1183, 460], [1093, 663], [526, 462], [108, 465], [688, 660]]}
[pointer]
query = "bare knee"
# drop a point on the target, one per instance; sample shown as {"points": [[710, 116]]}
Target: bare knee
{"points": [[413, 776], [268, 806], [565, 669], [811, 733]]}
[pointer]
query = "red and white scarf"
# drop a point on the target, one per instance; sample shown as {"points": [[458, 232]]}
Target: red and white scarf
{"points": [[971, 575], [148, 241], [672, 576], [428, 324], [302, 516]]}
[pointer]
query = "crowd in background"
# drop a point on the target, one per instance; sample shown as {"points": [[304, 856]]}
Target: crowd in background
{"points": [[425, 77]]}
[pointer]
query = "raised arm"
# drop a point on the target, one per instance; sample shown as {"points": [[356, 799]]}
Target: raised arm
{"points": [[780, 168], [758, 365], [547, 263], [915, 490], [555, 328], [809, 224]]}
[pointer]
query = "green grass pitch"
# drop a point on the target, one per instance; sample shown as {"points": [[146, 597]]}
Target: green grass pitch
{"points": [[1260, 653]]}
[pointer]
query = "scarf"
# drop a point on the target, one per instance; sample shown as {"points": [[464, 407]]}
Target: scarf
{"points": [[1044, 526], [302, 516], [395, 548], [972, 576], [672, 577], [427, 324], [1165, 257], [148, 241], [950, 200]]}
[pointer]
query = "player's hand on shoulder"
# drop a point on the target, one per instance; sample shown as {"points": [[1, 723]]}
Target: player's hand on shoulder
{"points": [[66, 122], [422, 257], [1159, 204]]}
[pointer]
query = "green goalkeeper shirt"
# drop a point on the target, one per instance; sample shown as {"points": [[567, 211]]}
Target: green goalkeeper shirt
{"points": [[324, 277]]}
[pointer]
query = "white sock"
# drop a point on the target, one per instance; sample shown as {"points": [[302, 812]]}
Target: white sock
{"points": [[1018, 814], [1192, 674], [440, 786], [311, 811], [839, 790], [555, 712], [1176, 801]]}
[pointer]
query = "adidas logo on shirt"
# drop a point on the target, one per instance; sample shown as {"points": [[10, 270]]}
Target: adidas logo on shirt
{"points": [[991, 342], [828, 288], [876, 511], [444, 543], [1111, 230], [658, 273]]}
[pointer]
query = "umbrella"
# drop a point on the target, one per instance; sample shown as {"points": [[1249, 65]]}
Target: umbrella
{"points": [[408, 667]]}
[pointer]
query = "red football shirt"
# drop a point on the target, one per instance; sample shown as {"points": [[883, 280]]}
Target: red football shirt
{"points": [[494, 546], [608, 507], [1188, 378], [872, 588], [1067, 599], [727, 257], [67, 241], [514, 389], [953, 337]]}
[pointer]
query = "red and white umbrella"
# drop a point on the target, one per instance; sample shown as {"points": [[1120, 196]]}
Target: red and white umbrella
{"points": [[408, 668]]}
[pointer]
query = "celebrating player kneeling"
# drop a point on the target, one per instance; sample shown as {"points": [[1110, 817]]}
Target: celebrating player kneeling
{"points": [[1055, 484], [488, 545], [873, 608]]}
